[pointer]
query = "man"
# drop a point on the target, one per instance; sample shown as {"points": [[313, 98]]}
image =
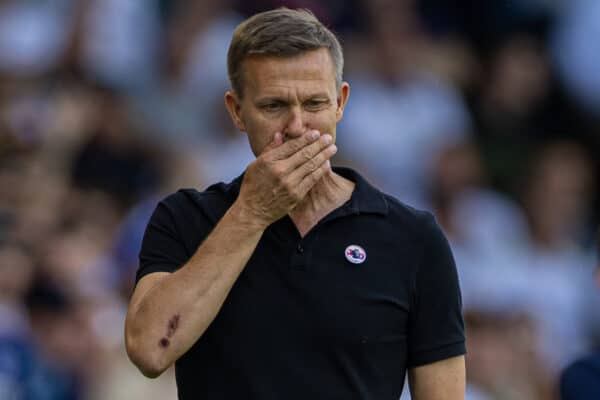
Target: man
{"points": [[296, 280]]}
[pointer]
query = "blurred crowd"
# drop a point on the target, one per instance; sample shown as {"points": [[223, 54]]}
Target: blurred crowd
{"points": [[486, 113]]}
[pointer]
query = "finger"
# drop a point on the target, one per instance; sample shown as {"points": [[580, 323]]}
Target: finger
{"points": [[307, 153], [311, 179], [292, 146], [312, 164], [276, 142]]}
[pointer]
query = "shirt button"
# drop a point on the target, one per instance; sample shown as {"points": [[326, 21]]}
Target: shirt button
{"points": [[300, 249]]}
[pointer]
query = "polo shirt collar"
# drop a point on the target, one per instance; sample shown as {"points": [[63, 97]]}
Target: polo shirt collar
{"points": [[365, 197]]}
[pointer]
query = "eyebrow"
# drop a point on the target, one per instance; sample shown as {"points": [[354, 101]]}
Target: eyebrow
{"points": [[268, 99]]}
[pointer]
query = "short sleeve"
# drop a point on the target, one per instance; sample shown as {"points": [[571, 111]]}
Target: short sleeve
{"points": [[162, 248], [436, 326]]}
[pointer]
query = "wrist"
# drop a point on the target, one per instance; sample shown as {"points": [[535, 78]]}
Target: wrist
{"points": [[244, 217]]}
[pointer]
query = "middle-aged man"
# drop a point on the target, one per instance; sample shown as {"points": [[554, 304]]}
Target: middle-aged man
{"points": [[296, 280]]}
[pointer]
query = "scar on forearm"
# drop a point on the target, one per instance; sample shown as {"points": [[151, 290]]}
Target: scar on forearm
{"points": [[171, 328], [173, 325]]}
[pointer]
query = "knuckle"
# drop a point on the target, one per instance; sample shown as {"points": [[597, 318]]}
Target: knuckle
{"points": [[312, 178], [306, 153], [288, 186], [308, 183], [296, 196], [319, 172], [296, 145], [272, 166], [307, 139], [312, 164], [323, 142], [276, 169], [279, 180]]}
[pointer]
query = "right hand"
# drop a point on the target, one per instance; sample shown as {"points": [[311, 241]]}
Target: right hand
{"points": [[283, 174]]}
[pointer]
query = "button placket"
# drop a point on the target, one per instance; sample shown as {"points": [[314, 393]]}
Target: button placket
{"points": [[299, 256]]}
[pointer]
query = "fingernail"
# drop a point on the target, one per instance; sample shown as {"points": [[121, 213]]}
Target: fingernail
{"points": [[328, 138], [315, 134]]}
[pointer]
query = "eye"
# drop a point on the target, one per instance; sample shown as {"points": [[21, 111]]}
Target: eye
{"points": [[315, 104], [272, 107]]}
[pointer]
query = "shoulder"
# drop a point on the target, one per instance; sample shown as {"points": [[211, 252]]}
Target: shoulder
{"points": [[216, 192], [368, 199], [213, 202], [427, 237], [421, 223]]}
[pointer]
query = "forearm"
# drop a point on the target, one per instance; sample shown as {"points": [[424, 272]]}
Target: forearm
{"points": [[171, 316], [441, 380]]}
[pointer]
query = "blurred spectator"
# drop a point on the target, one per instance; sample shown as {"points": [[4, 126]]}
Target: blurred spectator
{"points": [[24, 371], [577, 53], [33, 35], [188, 95], [186, 105], [502, 359], [557, 200], [514, 110], [509, 264], [557, 195], [119, 42], [114, 159], [486, 229], [400, 115]]}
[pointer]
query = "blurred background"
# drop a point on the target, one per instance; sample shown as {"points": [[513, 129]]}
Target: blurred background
{"points": [[486, 113]]}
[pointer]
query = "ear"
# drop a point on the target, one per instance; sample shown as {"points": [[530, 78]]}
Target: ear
{"points": [[232, 103], [342, 99]]}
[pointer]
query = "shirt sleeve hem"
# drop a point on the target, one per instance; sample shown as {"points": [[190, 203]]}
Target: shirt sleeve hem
{"points": [[148, 270], [438, 354]]}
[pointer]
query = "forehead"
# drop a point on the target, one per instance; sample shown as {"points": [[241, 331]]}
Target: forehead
{"points": [[309, 69]]}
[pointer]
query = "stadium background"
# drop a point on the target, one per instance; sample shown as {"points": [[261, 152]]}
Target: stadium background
{"points": [[486, 113]]}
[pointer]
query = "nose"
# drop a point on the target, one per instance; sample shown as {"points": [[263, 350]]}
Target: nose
{"points": [[296, 124]]}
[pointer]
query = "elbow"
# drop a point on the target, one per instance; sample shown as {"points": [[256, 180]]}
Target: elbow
{"points": [[150, 369], [149, 362]]}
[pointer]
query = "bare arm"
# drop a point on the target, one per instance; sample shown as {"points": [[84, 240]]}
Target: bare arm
{"points": [[169, 312], [441, 380]]}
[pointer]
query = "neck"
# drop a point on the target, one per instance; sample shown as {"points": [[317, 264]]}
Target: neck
{"points": [[329, 193]]}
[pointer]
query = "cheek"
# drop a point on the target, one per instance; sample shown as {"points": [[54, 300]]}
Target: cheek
{"points": [[325, 123]]}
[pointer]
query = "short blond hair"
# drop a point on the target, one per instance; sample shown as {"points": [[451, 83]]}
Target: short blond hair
{"points": [[281, 33]]}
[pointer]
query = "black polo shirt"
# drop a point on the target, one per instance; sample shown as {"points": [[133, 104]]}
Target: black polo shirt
{"points": [[317, 317]]}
